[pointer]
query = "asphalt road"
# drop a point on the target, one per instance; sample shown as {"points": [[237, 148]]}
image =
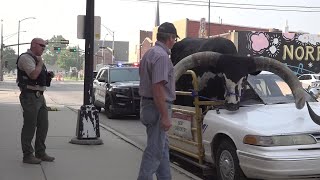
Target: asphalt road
{"points": [[70, 93]]}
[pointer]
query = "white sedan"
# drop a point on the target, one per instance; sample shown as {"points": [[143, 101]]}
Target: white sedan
{"points": [[268, 138], [307, 79]]}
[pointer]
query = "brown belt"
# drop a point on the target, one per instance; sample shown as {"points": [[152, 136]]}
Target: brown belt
{"points": [[151, 98]]}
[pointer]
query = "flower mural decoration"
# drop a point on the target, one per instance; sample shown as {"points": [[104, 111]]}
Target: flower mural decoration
{"points": [[261, 42]]}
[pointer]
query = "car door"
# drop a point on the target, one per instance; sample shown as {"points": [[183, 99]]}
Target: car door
{"points": [[96, 87], [104, 86], [99, 83]]}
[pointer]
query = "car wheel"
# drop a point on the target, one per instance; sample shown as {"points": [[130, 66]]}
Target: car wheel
{"points": [[227, 162], [107, 109]]}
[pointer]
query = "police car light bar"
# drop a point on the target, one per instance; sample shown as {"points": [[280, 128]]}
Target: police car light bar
{"points": [[124, 65]]}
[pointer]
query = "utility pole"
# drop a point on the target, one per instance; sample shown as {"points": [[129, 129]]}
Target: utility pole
{"points": [[88, 131], [209, 21], [89, 43], [1, 55]]}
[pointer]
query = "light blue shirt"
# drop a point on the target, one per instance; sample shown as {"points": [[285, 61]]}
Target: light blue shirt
{"points": [[156, 66]]}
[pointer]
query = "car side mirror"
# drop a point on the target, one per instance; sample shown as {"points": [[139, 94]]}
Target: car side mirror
{"points": [[101, 79]]}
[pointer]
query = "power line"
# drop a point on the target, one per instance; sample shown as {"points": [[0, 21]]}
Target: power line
{"points": [[229, 7], [247, 4]]}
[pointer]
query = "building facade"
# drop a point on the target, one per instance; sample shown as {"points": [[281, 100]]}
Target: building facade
{"points": [[104, 54]]}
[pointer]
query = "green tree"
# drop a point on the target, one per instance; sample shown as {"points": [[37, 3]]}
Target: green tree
{"points": [[68, 59], [10, 55], [50, 56]]}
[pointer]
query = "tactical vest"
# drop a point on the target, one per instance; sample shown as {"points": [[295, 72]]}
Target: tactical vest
{"points": [[23, 79]]}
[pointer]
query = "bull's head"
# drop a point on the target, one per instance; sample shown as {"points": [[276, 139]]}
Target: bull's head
{"points": [[234, 69]]}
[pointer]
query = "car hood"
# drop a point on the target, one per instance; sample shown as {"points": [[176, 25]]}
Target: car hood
{"points": [[270, 119], [126, 84]]}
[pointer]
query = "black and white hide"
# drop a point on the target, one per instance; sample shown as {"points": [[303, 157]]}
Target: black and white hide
{"points": [[210, 83], [235, 68]]}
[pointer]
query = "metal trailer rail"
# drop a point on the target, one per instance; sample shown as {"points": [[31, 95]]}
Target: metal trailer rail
{"points": [[197, 130]]}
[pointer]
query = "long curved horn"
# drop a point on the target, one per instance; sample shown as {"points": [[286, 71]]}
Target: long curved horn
{"points": [[206, 58], [278, 68], [313, 115]]}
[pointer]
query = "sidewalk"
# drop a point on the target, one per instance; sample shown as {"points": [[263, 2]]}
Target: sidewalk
{"points": [[114, 160]]}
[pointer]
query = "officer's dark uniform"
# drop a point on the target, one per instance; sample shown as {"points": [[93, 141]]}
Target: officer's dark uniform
{"points": [[35, 113]]}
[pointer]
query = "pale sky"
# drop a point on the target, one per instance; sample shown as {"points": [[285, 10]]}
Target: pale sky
{"points": [[127, 17]]}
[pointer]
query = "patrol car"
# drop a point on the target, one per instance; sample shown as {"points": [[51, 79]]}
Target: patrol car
{"points": [[115, 89]]}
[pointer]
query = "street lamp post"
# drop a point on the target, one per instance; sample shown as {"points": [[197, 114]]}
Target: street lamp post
{"points": [[19, 30], [112, 32], [1, 55], [103, 59]]}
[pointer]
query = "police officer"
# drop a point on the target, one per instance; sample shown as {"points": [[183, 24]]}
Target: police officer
{"points": [[32, 80]]}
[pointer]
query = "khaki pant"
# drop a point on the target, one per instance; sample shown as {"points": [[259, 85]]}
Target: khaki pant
{"points": [[35, 119]]}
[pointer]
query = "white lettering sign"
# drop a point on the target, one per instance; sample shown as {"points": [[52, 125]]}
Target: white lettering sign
{"points": [[181, 125]]}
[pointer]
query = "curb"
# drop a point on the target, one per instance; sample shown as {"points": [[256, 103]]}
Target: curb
{"points": [[121, 136]]}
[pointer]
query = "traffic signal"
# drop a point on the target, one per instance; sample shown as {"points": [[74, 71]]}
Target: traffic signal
{"points": [[57, 48], [63, 41], [73, 50]]}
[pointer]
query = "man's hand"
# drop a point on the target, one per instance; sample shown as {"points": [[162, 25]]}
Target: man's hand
{"points": [[165, 123], [35, 73], [40, 61]]}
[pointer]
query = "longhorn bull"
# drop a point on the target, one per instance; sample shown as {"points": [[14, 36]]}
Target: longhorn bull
{"points": [[196, 54], [254, 64], [211, 83]]}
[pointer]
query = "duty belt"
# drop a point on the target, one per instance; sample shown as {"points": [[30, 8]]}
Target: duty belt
{"points": [[36, 92]]}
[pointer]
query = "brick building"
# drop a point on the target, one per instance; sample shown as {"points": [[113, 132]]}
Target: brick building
{"points": [[102, 57], [103, 52], [144, 43], [191, 28]]}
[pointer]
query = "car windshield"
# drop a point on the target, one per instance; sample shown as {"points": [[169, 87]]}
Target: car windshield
{"points": [[267, 89], [124, 74]]}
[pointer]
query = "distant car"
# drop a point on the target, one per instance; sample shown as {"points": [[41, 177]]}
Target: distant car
{"points": [[116, 89], [307, 79], [314, 89]]}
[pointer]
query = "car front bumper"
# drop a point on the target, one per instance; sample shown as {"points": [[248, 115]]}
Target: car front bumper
{"points": [[131, 107], [261, 167]]}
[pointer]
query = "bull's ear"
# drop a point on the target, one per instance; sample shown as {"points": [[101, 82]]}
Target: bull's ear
{"points": [[254, 73]]}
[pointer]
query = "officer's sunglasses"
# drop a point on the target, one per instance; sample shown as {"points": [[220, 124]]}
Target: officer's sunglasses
{"points": [[42, 45]]}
